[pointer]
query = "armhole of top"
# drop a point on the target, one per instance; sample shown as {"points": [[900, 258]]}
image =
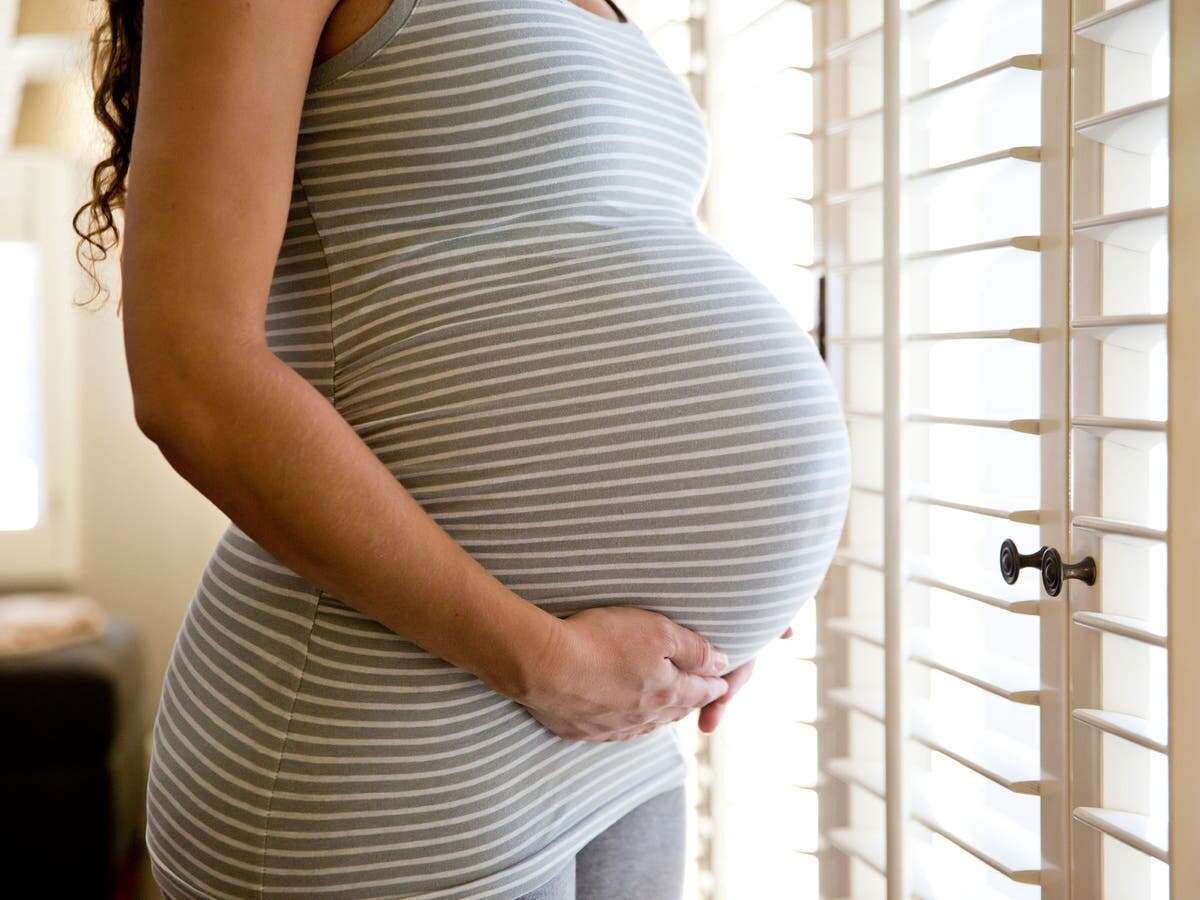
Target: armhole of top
{"points": [[365, 46]]}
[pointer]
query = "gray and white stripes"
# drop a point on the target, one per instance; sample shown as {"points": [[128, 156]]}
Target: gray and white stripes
{"points": [[493, 270]]}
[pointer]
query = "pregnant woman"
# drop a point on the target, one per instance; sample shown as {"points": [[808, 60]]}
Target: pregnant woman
{"points": [[519, 461]]}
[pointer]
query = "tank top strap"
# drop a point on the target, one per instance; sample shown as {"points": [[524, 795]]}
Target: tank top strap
{"points": [[367, 44]]}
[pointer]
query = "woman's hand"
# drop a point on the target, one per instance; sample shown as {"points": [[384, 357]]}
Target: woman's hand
{"points": [[711, 714], [612, 673]]}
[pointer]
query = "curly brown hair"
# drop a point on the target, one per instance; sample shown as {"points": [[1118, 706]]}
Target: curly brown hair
{"points": [[116, 51]]}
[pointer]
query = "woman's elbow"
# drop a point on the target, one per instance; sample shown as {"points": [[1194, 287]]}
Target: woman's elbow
{"points": [[161, 403], [190, 361], [187, 393], [152, 362], [188, 376], [153, 414], [174, 392]]}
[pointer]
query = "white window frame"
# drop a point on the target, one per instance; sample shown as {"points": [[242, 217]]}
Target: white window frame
{"points": [[38, 193]]}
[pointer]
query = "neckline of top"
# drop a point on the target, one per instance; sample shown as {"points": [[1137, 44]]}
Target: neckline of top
{"points": [[397, 13]]}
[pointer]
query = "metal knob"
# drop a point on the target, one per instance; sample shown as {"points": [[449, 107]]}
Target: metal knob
{"points": [[1012, 561], [1055, 572]]}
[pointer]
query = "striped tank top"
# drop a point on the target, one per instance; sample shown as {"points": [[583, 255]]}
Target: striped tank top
{"points": [[493, 270]]}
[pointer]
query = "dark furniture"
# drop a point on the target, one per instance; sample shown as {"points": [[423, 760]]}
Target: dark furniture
{"points": [[72, 770]]}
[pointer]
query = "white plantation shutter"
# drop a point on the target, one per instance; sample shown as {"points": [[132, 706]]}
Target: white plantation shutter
{"points": [[969, 240], [852, 612], [1119, 465], [996, 215]]}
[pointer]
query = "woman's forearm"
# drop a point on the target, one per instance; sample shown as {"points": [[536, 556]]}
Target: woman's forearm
{"points": [[274, 455]]}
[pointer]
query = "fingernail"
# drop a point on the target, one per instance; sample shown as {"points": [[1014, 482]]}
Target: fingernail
{"points": [[722, 660]]}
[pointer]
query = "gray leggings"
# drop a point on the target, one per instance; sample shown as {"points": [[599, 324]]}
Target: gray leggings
{"points": [[638, 857]]}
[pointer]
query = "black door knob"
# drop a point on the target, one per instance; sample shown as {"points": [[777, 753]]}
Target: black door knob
{"points": [[1055, 572], [1012, 561]]}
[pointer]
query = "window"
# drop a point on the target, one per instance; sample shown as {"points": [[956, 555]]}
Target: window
{"points": [[22, 490], [38, 496], [40, 188]]}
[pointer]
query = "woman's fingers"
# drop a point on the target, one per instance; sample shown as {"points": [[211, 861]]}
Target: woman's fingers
{"points": [[698, 691], [710, 717], [692, 653], [711, 713], [738, 677]]}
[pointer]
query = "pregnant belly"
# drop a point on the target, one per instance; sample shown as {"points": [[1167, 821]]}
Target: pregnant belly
{"points": [[667, 443], [678, 449]]}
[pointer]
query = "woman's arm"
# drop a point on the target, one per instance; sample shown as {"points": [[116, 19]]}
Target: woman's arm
{"points": [[222, 87]]}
